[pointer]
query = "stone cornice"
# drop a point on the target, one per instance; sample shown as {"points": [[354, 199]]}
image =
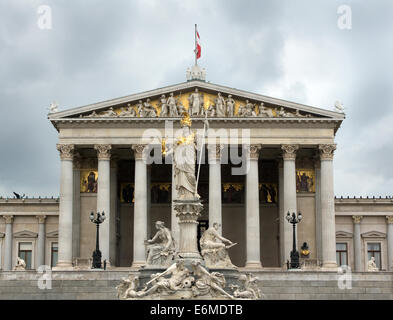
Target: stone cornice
{"points": [[289, 151], [103, 151], [200, 85], [66, 151]]}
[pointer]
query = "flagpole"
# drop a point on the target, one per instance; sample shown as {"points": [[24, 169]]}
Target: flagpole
{"points": [[195, 50]]}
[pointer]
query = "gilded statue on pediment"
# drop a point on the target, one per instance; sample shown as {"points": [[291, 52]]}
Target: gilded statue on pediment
{"points": [[127, 112], [230, 104], [195, 104], [220, 106], [247, 110], [265, 112]]}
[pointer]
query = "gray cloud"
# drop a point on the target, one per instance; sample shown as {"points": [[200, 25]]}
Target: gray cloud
{"points": [[99, 50]]}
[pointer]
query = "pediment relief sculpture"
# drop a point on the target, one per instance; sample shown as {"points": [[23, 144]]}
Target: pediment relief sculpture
{"points": [[198, 104]]}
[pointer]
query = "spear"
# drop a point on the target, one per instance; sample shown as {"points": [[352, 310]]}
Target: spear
{"points": [[200, 152]]}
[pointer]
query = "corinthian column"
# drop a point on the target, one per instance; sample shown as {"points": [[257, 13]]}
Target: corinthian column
{"points": [[41, 241], [140, 206], [357, 243], [66, 205], [389, 221], [214, 152], [8, 243], [289, 205], [327, 206], [252, 209], [104, 197]]}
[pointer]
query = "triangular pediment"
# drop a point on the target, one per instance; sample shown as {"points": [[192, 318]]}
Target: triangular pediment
{"points": [[53, 234], [373, 234], [25, 234], [218, 101], [343, 234]]}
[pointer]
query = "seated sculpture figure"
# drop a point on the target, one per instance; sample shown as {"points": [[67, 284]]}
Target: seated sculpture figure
{"points": [[161, 247], [371, 266], [127, 289], [214, 250], [20, 264]]}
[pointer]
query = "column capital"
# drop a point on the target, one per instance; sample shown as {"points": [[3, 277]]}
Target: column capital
{"points": [[41, 219], [253, 151], [214, 151], [289, 151], [357, 219], [139, 151], [389, 219], [8, 219], [103, 151], [326, 151], [66, 151]]}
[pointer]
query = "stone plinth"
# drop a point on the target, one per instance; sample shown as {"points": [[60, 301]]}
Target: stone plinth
{"points": [[188, 212]]}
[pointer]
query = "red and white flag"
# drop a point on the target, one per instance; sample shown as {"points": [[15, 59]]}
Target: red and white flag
{"points": [[197, 44]]}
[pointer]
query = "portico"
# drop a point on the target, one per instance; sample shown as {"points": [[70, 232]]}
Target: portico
{"points": [[281, 176]]}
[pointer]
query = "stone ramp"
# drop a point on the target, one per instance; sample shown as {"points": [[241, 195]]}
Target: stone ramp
{"points": [[279, 285]]}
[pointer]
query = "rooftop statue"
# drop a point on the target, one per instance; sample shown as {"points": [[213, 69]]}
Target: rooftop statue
{"points": [[161, 248], [213, 248], [146, 109], [172, 106], [265, 112], [246, 110], [108, 113], [127, 112], [54, 107]]}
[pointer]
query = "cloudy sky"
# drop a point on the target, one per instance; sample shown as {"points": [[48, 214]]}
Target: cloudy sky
{"points": [[97, 50]]}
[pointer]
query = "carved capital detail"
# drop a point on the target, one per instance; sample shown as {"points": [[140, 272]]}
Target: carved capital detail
{"points": [[253, 151], [66, 151], [103, 151], [289, 151], [326, 151], [8, 219], [41, 219], [214, 151], [357, 219], [389, 219], [139, 151]]}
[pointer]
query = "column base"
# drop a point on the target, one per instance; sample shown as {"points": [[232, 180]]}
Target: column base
{"points": [[253, 265], [63, 266], [137, 264], [329, 266]]}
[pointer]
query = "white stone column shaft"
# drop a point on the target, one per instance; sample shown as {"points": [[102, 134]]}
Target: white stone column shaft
{"points": [[318, 218], [281, 209], [253, 252], [104, 197], [174, 220], [140, 207], [66, 205], [41, 241], [290, 205], [76, 219], [8, 243], [357, 243], [327, 207], [389, 221], [113, 217], [215, 202]]}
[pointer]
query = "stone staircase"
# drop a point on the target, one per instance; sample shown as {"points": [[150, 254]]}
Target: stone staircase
{"points": [[276, 285]]}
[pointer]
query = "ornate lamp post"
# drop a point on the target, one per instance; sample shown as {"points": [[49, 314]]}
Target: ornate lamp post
{"points": [[98, 219], [294, 253]]}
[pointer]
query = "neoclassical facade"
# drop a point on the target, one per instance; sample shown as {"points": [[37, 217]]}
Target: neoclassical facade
{"points": [[260, 158]]}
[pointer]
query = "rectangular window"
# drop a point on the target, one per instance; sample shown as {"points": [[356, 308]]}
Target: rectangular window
{"points": [[342, 254], [374, 250], [25, 253], [53, 254]]}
